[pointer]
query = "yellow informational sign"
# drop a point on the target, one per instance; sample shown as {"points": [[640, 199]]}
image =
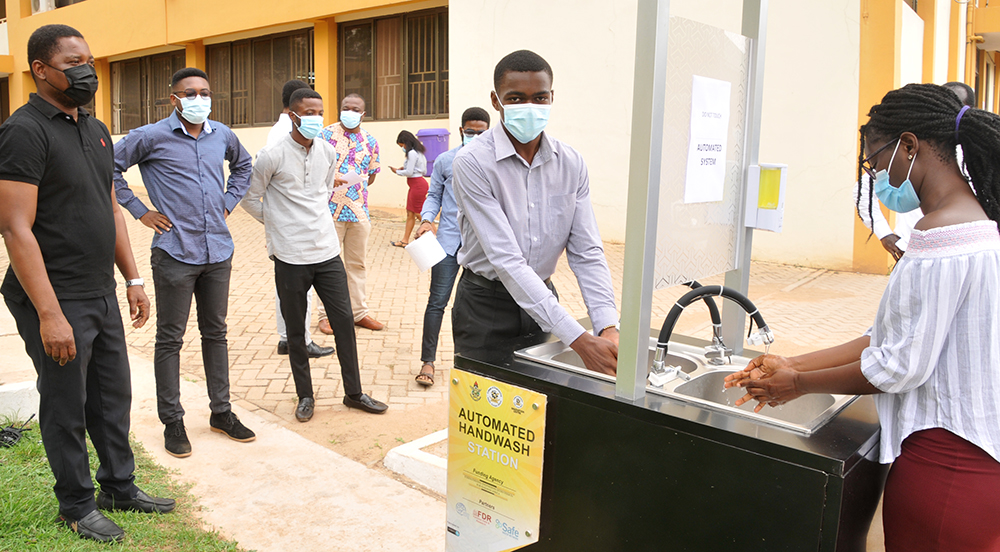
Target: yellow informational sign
{"points": [[496, 436]]}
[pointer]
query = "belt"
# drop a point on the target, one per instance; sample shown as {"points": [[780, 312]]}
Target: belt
{"points": [[491, 285]]}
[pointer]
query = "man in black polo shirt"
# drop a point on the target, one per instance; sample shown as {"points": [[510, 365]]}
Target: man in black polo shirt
{"points": [[64, 233]]}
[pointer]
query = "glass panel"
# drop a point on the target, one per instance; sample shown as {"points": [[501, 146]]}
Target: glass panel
{"points": [[388, 69], [126, 95], [443, 66], [695, 240], [241, 83], [422, 58], [356, 62], [161, 70], [301, 64], [263, 79], [220, 79]]}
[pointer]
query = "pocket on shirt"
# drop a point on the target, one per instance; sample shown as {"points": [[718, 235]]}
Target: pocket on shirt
{"points": [[562, 209]]}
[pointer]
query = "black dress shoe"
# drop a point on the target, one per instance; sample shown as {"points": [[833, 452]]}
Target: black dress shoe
{"points": [[366, 403], [282, 347], [175, 440], [304, 412], [230, 425], [315, 351], [141, 503], [94, 526]]}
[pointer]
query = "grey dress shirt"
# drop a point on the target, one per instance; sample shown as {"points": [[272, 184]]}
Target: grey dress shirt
{"points": [[295, 186], [516, 220]]}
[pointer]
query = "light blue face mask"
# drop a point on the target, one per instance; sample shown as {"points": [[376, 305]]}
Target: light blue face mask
{"points": [[309, 125], [195, 110], [902, 199], [350, 119], [525, 121]]}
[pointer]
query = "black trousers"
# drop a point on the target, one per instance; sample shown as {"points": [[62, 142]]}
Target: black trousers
{"points": [[175, 283], [91, 394], [329, 279], [487, 324]]}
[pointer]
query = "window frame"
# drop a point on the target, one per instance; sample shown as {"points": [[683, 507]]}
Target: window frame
{"points": [[442, 96], [251, 92]]}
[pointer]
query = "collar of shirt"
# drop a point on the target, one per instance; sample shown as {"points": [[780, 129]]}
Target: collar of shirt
{"points": [[175, 123], [49, 110], [505, 148]]}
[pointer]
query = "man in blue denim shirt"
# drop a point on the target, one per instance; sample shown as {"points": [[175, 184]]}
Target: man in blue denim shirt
{"points": [[440, 198], [181, 161]]}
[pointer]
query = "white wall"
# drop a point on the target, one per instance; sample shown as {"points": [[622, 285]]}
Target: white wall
{"points": [[911, 53], [590, 45], [810, 122], [942, 17]]}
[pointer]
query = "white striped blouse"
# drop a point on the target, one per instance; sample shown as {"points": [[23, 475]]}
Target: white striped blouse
{"points": [[935, 345]]}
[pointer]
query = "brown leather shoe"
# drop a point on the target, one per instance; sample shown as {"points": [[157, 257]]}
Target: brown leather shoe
{"points": [[370, 323], [324, 326]]}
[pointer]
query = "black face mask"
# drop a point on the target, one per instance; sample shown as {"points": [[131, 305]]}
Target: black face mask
{"points": [[82, 81]]}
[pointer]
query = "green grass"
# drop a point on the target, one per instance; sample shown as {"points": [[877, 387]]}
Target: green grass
{"points": [[28, 508]]}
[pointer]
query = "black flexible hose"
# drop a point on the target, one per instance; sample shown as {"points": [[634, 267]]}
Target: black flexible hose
{"points": [[713, 307], [701, 292]]}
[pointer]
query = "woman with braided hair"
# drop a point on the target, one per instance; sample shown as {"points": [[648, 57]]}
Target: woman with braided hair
{"points": [[932, 358]]}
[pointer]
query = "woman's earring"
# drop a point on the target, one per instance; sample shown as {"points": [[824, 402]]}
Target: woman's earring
{"points": [[909, 157]]}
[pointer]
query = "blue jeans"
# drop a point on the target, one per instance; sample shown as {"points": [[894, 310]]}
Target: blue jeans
{"points": [[442, 280]]}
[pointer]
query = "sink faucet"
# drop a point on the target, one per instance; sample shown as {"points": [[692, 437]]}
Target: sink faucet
{"points": [[714, 352]]}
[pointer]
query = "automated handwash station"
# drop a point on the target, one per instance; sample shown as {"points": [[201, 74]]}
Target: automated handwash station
{"points": [[545, 455]]}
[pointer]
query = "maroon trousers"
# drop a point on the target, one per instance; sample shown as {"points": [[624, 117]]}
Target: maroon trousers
{"points": [[942, 494]]}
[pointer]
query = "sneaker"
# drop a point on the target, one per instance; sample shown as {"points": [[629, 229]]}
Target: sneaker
{"points": [[94, 526], [229, 424], [175, 440]]}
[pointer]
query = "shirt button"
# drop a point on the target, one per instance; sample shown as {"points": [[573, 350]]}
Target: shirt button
{"points": [[531, 205], [536, 239]]}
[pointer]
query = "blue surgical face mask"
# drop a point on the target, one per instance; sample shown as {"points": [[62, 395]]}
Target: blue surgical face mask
{"points": [[309, 125], [902, 199], [466, 140], [525, 121], [350, 119], [196, 109]]}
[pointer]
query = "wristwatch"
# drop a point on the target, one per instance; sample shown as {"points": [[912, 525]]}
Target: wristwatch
{"points": [[135, 282]]}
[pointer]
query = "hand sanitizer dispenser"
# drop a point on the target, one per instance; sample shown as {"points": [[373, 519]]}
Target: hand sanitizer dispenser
{"points": [[765, 207]]}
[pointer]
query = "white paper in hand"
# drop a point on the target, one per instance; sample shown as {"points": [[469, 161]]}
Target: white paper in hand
{"points": [[426, 251]]}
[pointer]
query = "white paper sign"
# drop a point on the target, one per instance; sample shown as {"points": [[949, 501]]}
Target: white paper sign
{"points": [[352, 179], [706, 167]]}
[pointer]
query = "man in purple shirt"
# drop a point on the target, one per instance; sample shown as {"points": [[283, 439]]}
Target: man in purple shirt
{"points": [[523, 199], [181, 161]]}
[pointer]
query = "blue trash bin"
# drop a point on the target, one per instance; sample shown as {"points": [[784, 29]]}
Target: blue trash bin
{"points": [[435, 141]]}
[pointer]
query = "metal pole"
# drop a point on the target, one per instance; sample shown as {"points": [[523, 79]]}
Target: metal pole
{"points": [[648, 98], [755, 28]]}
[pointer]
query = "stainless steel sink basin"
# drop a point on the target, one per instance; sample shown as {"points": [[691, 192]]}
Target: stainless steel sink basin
{"points": [[801, 412], [705, 388], [571, 358]]}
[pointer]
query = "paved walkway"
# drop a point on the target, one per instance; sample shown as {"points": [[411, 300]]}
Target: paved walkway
{"points": [[807, 309]]}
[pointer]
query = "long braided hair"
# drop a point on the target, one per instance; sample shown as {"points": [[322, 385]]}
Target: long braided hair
{"points": [[929, 111]]}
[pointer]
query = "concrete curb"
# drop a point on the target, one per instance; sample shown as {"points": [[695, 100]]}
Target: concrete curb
{"points": [[423, 468], [18, 401]]}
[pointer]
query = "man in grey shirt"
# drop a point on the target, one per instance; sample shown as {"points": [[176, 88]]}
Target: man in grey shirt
{"points": [[523, 199], [295, 178]]}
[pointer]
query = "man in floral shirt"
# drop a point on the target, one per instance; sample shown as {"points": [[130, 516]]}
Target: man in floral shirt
{"points": [[357, 153]]}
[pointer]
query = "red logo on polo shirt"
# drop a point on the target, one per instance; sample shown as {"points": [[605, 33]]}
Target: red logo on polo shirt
{"points": [[103, 144]]}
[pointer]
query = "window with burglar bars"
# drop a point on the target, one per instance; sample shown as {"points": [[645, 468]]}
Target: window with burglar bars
{"points": [[246, 76], [140, 90], [398, 64]]}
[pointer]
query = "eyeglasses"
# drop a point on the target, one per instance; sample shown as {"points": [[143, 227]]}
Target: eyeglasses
{"points": [[866, 164], [190, 93], [470, 133]]}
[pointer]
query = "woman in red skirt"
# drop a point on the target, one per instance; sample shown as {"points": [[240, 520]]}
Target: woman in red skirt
{"points": [[932, 359], [414, 170]]}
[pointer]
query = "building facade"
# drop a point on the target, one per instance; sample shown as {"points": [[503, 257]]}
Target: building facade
{"points": [[827, 63]]}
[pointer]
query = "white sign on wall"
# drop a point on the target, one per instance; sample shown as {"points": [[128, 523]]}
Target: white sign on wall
{"points": [[706, 166]]}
